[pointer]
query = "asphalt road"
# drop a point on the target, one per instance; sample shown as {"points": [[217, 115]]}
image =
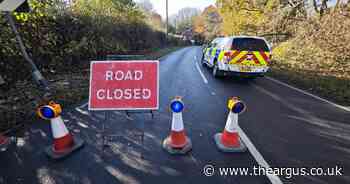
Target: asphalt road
{"points": [[287, 128]]}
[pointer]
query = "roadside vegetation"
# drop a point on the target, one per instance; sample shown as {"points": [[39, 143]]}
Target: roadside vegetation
{"points": [[318, 57], [310, 39], [62, 38]]}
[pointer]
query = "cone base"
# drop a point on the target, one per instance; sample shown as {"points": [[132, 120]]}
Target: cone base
{"points": [[241, 148], [4, 144], [78, 143], [177, 151]]}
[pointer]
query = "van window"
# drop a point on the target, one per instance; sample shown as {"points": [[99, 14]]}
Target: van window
{"points": [[217, 42], [212, 44], [249, 44], [224, 42]]}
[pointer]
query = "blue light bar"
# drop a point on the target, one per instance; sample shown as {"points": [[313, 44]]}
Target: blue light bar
{"points": [[177, 106], [47, 112], [238, 107]]}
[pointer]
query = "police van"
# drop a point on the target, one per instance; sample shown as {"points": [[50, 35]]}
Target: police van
{"points": [[246, 56]]}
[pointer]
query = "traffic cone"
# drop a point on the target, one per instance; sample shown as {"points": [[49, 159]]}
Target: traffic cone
{"points": [[177, 142], [64, 143], [4, 142], [229, 140]]}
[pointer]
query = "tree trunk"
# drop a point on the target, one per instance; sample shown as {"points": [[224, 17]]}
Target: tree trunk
{"points": [[315, 6], [336, 6], [323, 7]]}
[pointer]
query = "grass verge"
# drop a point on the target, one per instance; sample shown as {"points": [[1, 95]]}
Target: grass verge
{"points": [[332, 88]]}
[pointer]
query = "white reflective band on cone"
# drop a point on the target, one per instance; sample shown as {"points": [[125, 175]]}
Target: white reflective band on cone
{"points": [[10, 5], [232, 122], [177, 122], [58, 128]]}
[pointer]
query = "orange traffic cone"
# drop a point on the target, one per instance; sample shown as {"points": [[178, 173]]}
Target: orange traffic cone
{"points": [[229, 140], [4, 142], [64, 143], [177, 142]]}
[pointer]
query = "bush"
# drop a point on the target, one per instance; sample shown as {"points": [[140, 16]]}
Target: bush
{"points": [[320, 46], [64, 39], [317, 58]]}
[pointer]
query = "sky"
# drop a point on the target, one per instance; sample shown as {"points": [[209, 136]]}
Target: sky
{"points": [[176, 5]]}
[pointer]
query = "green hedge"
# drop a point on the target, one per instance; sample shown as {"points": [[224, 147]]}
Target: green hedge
{"points": [[63, 39]]}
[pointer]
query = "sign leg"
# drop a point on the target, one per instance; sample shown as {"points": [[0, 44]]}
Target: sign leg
{"points": [[152, 114], [104, 134], [143, 139]]}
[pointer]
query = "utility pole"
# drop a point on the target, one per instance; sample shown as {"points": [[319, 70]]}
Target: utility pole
{"points": [[38, 77], [175, 25], [167, 20]]}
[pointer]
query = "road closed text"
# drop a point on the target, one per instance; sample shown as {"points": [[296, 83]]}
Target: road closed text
{"points": [[126, 94], [124, 85], [124, 75]]}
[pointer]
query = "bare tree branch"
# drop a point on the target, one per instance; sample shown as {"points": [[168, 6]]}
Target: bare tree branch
{"points": [[315, 6]]}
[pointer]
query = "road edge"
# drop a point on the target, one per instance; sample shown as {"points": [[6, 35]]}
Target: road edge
{"points": [[307, 93]]}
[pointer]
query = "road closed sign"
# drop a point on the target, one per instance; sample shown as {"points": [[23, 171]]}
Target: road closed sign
{"points": [[124, 85]]}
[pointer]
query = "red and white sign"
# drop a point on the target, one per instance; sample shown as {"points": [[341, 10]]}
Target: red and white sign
{"points": [[124, 85]]}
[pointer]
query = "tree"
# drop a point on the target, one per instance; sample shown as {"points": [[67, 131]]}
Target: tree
{"points": [[186, 14], [153, 19], [208, 23], [240, 16], [125, 9], [145, 5], [320, 6], [183, 19]]}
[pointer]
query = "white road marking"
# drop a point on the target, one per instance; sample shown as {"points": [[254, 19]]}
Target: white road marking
{"points": [[195, 58], [252, 149], [258, 157], [309, 94], [82, 111], [82, 106], [42, 133], [200, 72], [82, 125]]}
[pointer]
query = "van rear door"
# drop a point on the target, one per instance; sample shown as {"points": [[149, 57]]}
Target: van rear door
{"points": [[249, 52]]}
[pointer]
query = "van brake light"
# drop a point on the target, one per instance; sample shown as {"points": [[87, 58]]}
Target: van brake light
{"points": [[227, 54]]}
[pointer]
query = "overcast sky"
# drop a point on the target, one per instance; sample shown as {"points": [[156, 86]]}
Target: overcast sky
{"points": [[176, 5]]}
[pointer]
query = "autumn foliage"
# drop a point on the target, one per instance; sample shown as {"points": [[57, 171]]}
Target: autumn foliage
{"points": [[58, 35]]}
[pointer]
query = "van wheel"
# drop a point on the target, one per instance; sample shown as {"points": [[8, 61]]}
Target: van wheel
{"points": [[203, 61], [216, 71]]}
